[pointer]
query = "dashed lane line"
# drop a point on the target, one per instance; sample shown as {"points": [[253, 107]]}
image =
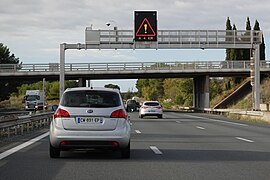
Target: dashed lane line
{"points": [[243, 139], [199, 127], [156, 150], [138, 132]]}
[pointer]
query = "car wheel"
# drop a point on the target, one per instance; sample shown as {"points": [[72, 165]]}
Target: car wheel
{"points": [[125, 152], [160, 116], [141, 116], [54, 152]]}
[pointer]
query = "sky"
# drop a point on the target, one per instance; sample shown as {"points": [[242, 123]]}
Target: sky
{"points": [[34, 29]]}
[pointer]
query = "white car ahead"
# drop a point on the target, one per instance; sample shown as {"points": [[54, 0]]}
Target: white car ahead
{"points": [[151, 108], [90, 118]]}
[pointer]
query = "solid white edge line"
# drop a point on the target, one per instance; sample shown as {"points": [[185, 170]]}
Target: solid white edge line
{"points": [[199, 127], [138, 132], [239, 124], [21, 146], [243, 139], [156, 150]]}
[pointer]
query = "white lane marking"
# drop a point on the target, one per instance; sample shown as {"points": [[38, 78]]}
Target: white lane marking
{"points": [[17, 148], [156, 150], [199, 127], [138, 132], [243, 139], [239, 124], [178, 121]]}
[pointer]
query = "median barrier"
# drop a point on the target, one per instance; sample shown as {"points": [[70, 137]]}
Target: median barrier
{"points": [[22, 124]]}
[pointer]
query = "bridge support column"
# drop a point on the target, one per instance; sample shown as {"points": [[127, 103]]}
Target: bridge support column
{"points": [[201, 92], [62, 69], [256, 90], [82, 82]]}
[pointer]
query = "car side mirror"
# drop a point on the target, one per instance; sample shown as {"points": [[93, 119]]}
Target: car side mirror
{"points": [[24, 98], [54, 107]]}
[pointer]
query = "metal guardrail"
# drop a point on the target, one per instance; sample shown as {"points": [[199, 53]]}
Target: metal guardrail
{"points": [[232, 111], [132, 66], [21, 124]]}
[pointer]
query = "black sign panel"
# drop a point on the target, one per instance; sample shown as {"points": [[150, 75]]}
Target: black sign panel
{"points": [[145, 25]]}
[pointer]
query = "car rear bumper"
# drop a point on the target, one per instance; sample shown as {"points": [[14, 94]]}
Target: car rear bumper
{"points": [[152, 114], [70, 145], [67, 139], [146, 113]]}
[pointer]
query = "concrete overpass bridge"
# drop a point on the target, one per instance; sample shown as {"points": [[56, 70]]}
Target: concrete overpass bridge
{"points": [[200, 71], [131, 70]]}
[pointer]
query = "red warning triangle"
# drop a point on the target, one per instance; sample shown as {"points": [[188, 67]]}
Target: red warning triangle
{"points": [[145, 29]]}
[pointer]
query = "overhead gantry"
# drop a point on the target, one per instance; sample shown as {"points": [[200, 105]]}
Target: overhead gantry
{"points": [[178, 39]]}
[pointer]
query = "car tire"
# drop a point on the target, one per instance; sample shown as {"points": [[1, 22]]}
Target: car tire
{"points": [[160, 116], [141, 116], [125, 152], [54, 152]]}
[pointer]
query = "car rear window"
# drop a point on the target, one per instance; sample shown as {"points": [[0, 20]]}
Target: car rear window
{"points": [[151, 104], [98, 99], [131, 102]]}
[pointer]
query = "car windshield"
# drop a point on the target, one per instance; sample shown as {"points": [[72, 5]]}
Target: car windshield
{"points": [[32, 97], [98, 99], [151, 104]]}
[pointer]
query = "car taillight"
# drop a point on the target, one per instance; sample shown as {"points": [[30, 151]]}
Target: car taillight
{"points": [[61, 113], [145, 107], [120, 113], [158, 107]]}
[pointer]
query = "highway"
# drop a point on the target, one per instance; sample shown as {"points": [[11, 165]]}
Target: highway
{"points": [[179, 146]]}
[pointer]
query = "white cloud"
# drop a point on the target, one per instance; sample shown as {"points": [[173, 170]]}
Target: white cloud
{"points": [[33, 29]]}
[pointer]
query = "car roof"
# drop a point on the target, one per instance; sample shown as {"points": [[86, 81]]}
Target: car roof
{"points": [[91, 89]]}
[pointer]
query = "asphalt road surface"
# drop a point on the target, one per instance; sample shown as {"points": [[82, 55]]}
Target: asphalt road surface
{"points": [[179, 146]]}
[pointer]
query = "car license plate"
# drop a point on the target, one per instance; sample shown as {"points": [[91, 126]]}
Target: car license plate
{"points": [[89, 120], [152, 110]]}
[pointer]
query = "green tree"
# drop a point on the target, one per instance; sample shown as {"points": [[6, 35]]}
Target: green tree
{"points": [[248, 26], [52, 88], [179, 91], [150, 89], [128, 94], [233, 52], [216, 88], [246, 52], [228, 27], [140, 85], [7, 87], [6, 57], [262, 46], [230, 54]]}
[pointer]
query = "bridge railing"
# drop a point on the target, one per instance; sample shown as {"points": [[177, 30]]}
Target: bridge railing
{"points": [[132, 66]]}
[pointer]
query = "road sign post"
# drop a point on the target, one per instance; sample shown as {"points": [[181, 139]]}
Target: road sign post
{"points": [[256, 89], [62, 69]]}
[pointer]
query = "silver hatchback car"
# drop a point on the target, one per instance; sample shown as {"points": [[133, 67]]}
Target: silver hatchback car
{"points": [[90, 118]]}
